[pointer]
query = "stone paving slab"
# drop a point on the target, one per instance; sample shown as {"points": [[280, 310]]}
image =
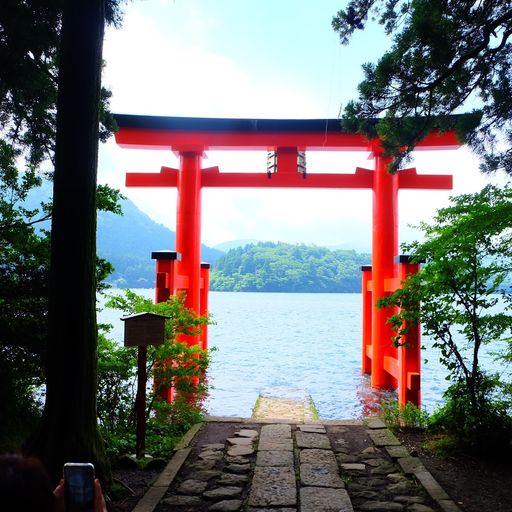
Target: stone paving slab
{"points": [[320, 475], [276, 445], [316, 456], [397, 452], [374, 423], [274, 458], [318, 499], [313, 428], [411, 465], [271, 432], [431, 486], [312, 440], [383, 437], [273, 486]]}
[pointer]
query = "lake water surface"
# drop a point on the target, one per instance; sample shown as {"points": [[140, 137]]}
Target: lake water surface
{"points": [[291, 344]]}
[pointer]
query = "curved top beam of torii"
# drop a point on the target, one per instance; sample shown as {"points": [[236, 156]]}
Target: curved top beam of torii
{"points": [[201, 133], [284, 136]]}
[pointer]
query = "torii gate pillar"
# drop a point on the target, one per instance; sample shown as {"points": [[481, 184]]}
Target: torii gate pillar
{"points": [[188, 225], [384, 250]]}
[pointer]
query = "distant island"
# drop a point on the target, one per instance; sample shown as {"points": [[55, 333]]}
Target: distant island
{"points": [[280, 267]]}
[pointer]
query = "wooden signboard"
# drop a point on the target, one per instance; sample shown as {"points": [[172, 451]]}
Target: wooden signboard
{"points": [[144, 329]]}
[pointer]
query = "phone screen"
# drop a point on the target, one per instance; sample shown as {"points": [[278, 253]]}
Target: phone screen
{"points": [[79, 479]]}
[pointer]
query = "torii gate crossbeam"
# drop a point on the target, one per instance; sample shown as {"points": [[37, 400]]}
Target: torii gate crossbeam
{"points": [[191, 137]]}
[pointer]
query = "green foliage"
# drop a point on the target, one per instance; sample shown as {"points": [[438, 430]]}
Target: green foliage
{"points": [[270, 267], [455, 297], [398, 417], [172, 362], [446, 56]]}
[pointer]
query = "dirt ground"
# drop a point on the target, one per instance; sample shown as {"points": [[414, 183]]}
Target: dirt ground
{"points": [[475, 485]]}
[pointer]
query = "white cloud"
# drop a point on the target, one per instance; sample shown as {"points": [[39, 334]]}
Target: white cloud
{"points": [[172, 72]]}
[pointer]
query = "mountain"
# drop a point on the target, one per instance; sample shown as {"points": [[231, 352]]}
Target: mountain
{"points": [[271, 267], [127, 241]]}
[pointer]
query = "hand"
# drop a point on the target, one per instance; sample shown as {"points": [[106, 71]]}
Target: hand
{"points": [[99, 500], [60, 498]]}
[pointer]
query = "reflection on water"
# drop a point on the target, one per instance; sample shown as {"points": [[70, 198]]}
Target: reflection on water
{"points": [[292, 344]]}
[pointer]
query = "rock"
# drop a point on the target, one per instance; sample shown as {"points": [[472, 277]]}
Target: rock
{"points": [[240, 441], [238, 459], [271, 509], [343, 458], [192, 487], [400, 488], [247, 433], [239, 469], [211, 455], [232, 479], [353, 467], [380, 506], [376, 462], [396, 477], [367, 495], [203, 465], [227, 506], [240, 450], [371, 453], [407, 500], [182, 501], [419, 507], [206, 474], [384, 469], [223, 492]]}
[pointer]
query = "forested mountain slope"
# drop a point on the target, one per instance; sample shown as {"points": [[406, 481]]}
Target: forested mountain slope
{"points": [[280, 267]]}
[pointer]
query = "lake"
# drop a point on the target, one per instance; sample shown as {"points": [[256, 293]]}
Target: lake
{"points": [[288, 345]]}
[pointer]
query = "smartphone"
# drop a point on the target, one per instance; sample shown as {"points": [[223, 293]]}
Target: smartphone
{"points": [[79, 480]]}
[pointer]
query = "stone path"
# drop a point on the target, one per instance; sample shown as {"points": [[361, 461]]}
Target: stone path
{"points": [[292, 410], [257, 466]]}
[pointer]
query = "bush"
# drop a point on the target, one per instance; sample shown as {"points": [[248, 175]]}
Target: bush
{"points": [[171, 363], [398, 417], [481, 431]]}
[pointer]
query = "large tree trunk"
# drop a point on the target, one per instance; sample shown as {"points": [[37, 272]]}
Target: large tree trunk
{"points": [[68, 430]]}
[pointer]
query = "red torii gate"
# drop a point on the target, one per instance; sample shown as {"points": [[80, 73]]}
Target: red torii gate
{"points": [[182, 270]]}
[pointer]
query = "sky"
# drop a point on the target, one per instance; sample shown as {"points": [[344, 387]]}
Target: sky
{"points": [[256, 59]]}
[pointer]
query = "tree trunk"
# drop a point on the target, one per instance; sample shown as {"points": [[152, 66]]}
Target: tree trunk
{"points": [[68, 429]]}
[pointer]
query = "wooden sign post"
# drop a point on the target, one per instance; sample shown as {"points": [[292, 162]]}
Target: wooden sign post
{"points": [[141, 330]]}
